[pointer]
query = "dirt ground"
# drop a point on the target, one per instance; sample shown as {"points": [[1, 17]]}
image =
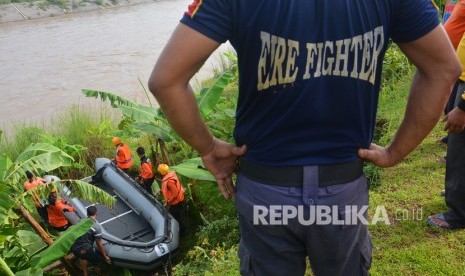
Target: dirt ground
{"points": [[37, 9]]}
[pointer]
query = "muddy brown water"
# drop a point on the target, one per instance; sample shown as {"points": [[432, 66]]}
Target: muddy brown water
{"points": [[46, 62]]}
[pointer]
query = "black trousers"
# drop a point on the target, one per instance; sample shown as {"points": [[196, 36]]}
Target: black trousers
{"points": [[43, 213], [455, 174], [147, 184]]}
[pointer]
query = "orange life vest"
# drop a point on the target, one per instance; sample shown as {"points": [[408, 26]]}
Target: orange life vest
{"points": [[55, 215], [30, 185], [172, 189], [146, 170], [123, 157]]}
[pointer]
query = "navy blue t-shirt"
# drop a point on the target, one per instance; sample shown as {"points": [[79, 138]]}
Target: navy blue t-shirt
{"points": [[309, 70]]}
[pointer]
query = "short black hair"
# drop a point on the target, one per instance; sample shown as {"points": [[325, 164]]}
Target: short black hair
{"points": [[91, 210], [140, 150], [52, 200], [29, 174]]}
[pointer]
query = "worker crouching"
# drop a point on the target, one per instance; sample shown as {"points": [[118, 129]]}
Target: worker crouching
{"points": [[55, 209]]}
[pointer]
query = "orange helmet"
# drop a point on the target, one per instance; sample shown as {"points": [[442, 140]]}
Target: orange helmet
{"points": [[54, 190], [116, 141], [163, 169]]}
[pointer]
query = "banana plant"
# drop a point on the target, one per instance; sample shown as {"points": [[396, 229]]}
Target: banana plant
{"points": [[141, 118], [152, 121], [38, 158], [62, 245], [57, 250]]}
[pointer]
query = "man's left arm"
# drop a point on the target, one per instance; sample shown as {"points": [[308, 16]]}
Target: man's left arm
{"points": [[437, 70]]}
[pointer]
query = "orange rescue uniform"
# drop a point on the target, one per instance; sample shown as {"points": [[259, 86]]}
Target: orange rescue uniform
{"points": [[146, 169], [30, 185], [55, 215], [172, 189], [123, 157], [455, 25]]}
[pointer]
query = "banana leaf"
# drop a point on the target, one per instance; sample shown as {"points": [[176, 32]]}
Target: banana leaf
{"points": [[141, 113], [30, 272], [194, 169], [161, 131], [209, 98], [5, 164], [6, 204], [31, 242], [5, 231], [40, 155], [62, 245], [91, 193], [114, 99]]}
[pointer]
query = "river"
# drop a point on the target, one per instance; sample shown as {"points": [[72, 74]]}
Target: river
{"points": [[46, 62]]}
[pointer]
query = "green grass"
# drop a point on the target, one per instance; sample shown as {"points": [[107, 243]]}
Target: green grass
{"points": [[88, 126], [409, 246]]}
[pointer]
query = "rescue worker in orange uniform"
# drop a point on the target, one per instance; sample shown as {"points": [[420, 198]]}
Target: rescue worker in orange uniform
{"points": [[173, 192], [146, 175], [55, 209], [123, 154], [31, 183]]}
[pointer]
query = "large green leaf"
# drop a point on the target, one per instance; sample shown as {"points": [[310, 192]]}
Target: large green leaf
{"points": [[91, 193], [4, 269], [7, 230], [41, 155], [141, 113], [6, 204], [209, 98], [30, 272], [194, 169], [5, 164], [114, 99], [31, 242], [160, 131], [62, 245]]}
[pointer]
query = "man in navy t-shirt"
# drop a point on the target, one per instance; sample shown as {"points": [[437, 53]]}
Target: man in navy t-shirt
{"points": [[309, 79], [83, 247]]}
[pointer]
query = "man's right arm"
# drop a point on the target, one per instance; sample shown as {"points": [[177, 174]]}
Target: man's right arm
{"points": [[181, 58], [102, 250]]}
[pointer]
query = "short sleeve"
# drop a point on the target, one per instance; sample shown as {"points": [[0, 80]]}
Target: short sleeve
{"points": [[211, 18], [96, 231], [413, 19]]}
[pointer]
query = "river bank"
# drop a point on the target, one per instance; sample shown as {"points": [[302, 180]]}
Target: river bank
{"points": [[39, 9]]}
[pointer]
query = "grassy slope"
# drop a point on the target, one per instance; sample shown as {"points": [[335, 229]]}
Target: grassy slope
{"points": [[410, 246]]}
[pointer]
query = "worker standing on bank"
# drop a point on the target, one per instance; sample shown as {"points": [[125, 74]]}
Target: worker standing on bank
{"points": [[123, 154], [31, 183], [146, 175], [172, 191]]}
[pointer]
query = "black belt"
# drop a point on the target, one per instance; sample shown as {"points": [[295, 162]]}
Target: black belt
{"points": [[293, 176]]}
